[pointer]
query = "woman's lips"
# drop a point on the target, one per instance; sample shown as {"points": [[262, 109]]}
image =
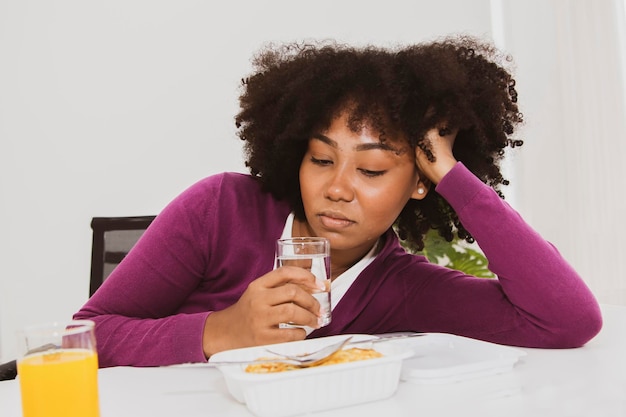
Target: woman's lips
{"points": [[334, 220]]}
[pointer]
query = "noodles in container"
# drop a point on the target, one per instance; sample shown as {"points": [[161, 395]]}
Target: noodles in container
{"points": [[352, 377], [341, 356]]}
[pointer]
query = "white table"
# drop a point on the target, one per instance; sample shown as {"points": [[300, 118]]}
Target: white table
{"points": [[590, 381]]}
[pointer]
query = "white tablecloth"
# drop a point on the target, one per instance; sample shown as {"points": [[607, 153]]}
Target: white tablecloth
{"points": [[589, 381]]}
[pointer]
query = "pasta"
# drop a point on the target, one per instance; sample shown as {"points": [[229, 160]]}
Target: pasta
{"points": [[342, 356]]}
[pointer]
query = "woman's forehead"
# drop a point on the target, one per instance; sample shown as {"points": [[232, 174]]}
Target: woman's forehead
{"points": [[371, 134]]}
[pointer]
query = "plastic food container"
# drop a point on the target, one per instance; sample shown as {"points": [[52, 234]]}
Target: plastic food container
{"points": [[320, 388], [443, 358]]}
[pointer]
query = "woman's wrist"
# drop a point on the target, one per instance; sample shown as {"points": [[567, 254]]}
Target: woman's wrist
{"points": [[440, 169], [209, 341]]}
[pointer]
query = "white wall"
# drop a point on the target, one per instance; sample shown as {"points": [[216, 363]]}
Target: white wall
{"points": [[570, 175], [113, 107]]}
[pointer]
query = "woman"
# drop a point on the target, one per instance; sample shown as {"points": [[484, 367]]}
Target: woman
{"points": [[364, 147]]}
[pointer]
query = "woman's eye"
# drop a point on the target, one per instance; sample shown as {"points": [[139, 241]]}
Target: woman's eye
{"points": [[369, 173], [322, 162]]}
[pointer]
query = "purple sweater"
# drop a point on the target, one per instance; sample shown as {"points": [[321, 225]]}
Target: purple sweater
{"points": [[209, 243]]}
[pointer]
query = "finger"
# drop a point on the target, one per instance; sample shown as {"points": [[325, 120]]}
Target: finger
{"points": [[291, 274], [293, 313], [291, 303], [275, 334], [284, 334], [292, 293]]}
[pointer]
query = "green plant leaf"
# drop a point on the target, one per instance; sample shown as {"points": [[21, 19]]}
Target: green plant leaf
{"points": [[455, 255]]}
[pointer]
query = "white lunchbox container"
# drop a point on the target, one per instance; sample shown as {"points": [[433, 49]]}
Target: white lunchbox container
{"points": [[312, 389]]}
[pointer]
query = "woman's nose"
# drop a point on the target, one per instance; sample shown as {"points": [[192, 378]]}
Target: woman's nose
{"points": [[340, 188]]}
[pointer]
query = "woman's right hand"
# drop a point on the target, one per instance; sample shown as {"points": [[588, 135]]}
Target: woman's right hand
{"points": [[441, 147], [280, 296]]}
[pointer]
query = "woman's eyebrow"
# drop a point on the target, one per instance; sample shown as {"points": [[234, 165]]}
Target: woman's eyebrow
{"points": [[375, 145], [359, 147], [325, 139]]}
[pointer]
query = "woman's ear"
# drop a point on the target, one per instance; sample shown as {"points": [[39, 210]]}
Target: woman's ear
{"points": [[421, 189]]}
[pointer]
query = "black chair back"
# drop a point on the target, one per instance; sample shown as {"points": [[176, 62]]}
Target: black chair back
{"points": [[8, 370], [113, 238]]}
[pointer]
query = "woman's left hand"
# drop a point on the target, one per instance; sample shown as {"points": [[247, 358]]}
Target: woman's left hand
{"points": [[441, 147]]}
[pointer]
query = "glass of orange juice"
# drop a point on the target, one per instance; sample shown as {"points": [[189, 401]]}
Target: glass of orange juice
{"points": [[57, 369]]}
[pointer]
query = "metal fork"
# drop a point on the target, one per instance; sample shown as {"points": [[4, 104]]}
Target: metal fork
{"points": [[302, 360]]}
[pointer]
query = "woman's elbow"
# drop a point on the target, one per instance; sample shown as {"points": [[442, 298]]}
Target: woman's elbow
{"points": [[577, 331]]}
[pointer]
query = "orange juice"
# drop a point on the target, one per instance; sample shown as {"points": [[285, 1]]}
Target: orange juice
{"points": [[62, 383]]}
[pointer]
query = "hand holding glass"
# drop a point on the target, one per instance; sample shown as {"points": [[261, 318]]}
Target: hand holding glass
{"points": [[312, 254], [58, 370]]}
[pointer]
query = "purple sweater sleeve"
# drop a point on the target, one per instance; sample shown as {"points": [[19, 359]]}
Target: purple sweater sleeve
{"points": [[190, 262], [137, 309], [549, 304]]}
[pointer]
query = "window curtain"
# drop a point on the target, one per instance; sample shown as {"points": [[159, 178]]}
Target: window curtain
{"points": [[569, 178]]}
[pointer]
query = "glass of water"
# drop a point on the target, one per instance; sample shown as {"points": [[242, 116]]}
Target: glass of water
{"points": [[312, 254]]}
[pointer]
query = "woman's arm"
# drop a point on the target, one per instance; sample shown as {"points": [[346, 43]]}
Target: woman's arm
{"points": [[189, 287], [539, 299], [135, 309]]}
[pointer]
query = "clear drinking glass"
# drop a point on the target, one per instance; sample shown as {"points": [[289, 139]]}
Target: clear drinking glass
{"points": [[312, 254], [57, 368]]}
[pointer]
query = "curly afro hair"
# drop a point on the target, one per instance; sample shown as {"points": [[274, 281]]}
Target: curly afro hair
{"points": [[459, 83]]}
